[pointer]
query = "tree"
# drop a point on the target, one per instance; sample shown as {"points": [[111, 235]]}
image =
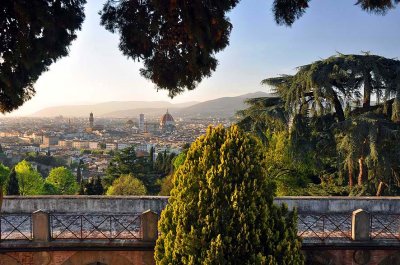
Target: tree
{"points": [[89, 187], [329, 130], [127, 185], [49, 189], [79, 172], [30, 181], [221, 208], [166, 183], [287, 12], [98, 187], [124, 162], [12, 184], [151, 156], [4, 172], [34, 34], [178, 41], [63, 181]]}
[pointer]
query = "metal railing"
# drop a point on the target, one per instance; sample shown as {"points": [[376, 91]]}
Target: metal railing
{"points": [[321, 227], [385, 226], [95, 226], [15, 227]]}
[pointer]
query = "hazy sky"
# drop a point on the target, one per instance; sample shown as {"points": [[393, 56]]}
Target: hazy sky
{"points": [[96, 71]]}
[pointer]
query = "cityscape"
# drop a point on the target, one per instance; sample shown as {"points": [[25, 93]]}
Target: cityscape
{"points": [[94, 140], [177, 132]]}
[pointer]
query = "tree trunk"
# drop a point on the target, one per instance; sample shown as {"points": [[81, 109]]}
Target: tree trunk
{"points": [[380, 188], [367, 89], [338, 108], [363, 171], [396, 107], [350, 177]]}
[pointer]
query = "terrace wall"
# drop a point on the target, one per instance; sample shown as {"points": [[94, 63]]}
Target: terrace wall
{"points": [[129, 204]]}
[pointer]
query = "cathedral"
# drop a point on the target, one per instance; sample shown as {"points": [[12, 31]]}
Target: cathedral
{"points": [[167, 123]]}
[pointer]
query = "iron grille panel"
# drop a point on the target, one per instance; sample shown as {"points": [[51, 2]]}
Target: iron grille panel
{"points": [[95, 226], [15, 227]]}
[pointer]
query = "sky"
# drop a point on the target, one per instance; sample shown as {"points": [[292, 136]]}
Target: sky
{"points": [[96, 71]]}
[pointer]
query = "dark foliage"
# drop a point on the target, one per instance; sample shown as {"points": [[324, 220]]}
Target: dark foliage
{"points": [[33, 35], [176, 40], [12, 185]]}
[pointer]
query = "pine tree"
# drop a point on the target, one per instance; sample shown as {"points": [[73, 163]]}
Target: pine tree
{"points": [[221, 208], [12, 185]]}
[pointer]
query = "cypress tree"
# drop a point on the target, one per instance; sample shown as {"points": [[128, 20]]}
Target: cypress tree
{"points": [[89, 187], [152, 155], [221, 208], [12, 185], [81, 189], [79, 172], [98, 187]]}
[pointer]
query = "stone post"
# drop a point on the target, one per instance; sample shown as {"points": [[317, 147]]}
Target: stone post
{"points": [[148, 227], [41, 226], [360, 225]]}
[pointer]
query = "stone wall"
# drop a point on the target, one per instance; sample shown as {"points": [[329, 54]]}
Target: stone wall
{"points": [[84, 204], [138, 204]]}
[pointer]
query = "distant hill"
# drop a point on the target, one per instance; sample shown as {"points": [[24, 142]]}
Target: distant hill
{"points": [[149, 112], [224, 107], [101, 109]]}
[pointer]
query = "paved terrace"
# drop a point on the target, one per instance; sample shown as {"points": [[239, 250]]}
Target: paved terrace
{"points": [[95, 222]]}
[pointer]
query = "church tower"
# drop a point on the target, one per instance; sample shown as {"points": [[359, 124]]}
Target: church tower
{"points": [[91, 120]]}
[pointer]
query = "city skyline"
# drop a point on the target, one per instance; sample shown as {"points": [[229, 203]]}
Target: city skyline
{"points": [[95, 70]]}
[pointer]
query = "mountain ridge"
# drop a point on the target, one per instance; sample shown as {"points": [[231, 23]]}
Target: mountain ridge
{"points": [[223, 107]]}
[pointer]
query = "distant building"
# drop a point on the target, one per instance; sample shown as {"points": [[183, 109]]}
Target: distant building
{"points": [[94, 145], [50, 140], [111, 146], [167, 123], [91, 120], [141, 122], [65, 144], [80, 144], [122, 146]]}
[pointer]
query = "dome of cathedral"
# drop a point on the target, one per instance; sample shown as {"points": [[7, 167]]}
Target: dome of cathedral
{"points": [[167, 120]]}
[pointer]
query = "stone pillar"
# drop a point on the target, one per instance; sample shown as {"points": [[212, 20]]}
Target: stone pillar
{"points": [[41, 226], [148, 226], [360, 225]]}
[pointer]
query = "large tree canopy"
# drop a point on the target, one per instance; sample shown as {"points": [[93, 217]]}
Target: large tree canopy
{"points": [[33, 35], [342, 117], [288, 11], [340, 80], [178, 39]]}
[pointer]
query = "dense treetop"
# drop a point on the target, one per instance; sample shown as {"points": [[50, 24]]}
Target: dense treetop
{"points": [[33, 35], [338, 120], [221, 207]]}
